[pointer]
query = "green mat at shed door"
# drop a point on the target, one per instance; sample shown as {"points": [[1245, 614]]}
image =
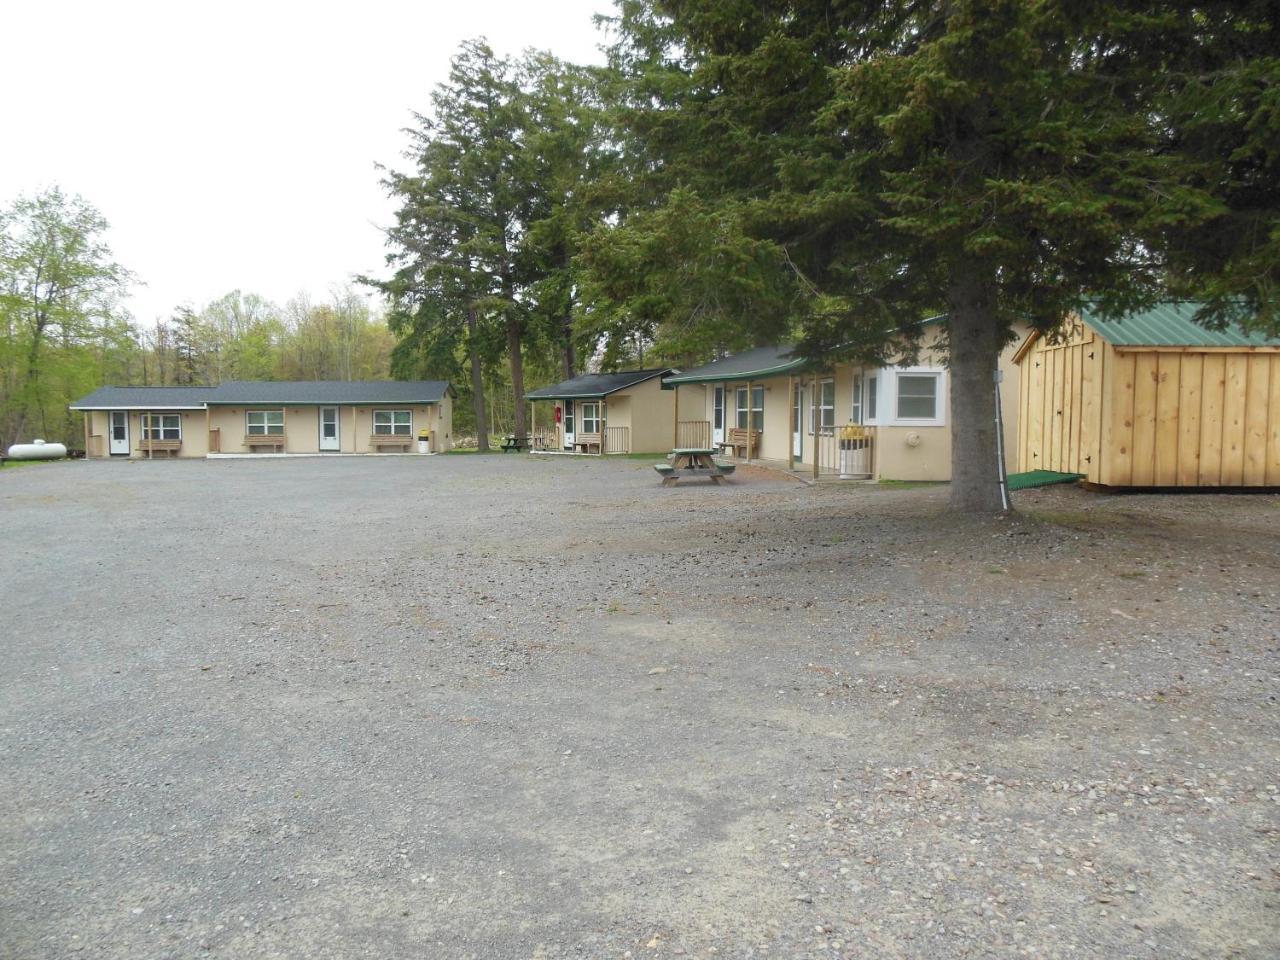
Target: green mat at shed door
{"points": [[1040, 478]]}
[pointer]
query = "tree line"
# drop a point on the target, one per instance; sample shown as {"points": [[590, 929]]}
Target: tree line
{"points": [[64, 331], [829, 175]]}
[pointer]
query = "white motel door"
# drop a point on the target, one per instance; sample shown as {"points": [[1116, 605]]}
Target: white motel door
{"points": [[797, 422], [119, 432], [329, 428], [568, 424]]}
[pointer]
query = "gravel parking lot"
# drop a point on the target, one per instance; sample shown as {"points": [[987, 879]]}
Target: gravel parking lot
{"points": [[523, 707]]}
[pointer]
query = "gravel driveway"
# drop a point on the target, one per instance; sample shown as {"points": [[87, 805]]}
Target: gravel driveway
{"points": [[510, 707]]}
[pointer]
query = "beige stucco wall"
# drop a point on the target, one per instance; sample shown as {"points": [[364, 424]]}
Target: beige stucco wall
{"points": [[302, 426], [650, 415], [195, 439]]}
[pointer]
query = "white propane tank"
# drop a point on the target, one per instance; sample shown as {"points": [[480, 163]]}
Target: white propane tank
{"points": [[38, 450]]}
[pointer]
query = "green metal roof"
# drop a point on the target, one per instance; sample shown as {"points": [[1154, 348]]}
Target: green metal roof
{"points": [[589, 386], [753, 365], [1170, 325]]}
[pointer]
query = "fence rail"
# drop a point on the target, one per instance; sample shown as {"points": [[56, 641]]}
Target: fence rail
{"points": [[846, 452], [693, 434]]}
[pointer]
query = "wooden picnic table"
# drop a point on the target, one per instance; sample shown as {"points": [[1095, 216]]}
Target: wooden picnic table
{"points": [[512, 442], [693, 462]]}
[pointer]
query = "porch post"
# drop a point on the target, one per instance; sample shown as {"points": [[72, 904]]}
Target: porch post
{"points": [[675, 417], [87, 415], [533, 421], [791, 415], [817, 426], [604, 427], [751, 421]]}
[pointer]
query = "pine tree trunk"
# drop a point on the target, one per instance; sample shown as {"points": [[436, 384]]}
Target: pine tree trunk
{"points": [[477, 381], [975, 354], [569, 361], [517, 374]]}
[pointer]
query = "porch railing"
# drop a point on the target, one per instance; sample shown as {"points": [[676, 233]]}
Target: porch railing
{"points": [[693, 434], [617, 439], [847, 452]]}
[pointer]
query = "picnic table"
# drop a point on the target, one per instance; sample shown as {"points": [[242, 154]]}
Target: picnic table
{"points": [[692, 462], [512, 442]]}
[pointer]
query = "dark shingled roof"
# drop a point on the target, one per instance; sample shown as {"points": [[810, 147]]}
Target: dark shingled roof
{"points": [[592, 385], [307, 392], [150, 398], [752, 365], [250, 392]]}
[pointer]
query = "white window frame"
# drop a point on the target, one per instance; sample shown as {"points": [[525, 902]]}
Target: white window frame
{"points": [[392, 424], [819, 410], [589, 412], [265, 425], [749, 408], [871, 397], [940, 396], [147, 426]]}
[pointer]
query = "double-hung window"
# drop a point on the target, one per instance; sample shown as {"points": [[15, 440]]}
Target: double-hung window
{"points": [[264, 423], [824, 410], [392, 423], [161, 426], [917, 396], [591, 417], [872, 393], [753, 414]]}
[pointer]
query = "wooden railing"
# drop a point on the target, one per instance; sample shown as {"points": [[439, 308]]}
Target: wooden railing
{"points": [[693, 434], [617, 439], [847, 452]]}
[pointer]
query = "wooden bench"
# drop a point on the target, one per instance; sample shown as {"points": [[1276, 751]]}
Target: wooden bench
{"points": [[588, 440], [391, 440], [742, 439], [265, 440], [169, 448]]}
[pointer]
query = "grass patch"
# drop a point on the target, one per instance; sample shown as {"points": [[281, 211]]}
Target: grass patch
{"points": [[468, 451], [8, 464]]}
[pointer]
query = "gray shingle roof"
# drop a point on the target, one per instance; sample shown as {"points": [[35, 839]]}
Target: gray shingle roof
{"points": [[150, 398], [248, 392], [591, 385], [307, 392], [753, 364]]}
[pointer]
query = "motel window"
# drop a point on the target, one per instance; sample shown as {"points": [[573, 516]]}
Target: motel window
{"points": [[917, 396], [855, 412], [872, 387], [591, 418], [397, 423], [161, 426], [264, 423], [825, 407], [756, 412]]}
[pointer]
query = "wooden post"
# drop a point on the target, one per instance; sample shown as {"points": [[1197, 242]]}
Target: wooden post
{"points": [[750, 422], [87, 415], [208, 432], [603, 426], [675, 418], [817, 426], [792, 413], [284, 429]]}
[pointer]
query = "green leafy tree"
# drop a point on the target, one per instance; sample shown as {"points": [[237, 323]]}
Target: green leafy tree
{"points": [[59, 298], [998, 160]]}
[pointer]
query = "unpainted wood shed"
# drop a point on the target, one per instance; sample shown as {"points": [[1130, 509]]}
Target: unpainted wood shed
{"points": [[1151, 400]]}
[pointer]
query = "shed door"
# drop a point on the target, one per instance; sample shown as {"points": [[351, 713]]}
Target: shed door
{"points": [[119, 432]]}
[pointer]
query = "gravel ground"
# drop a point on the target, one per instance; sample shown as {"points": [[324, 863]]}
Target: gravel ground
{"points": [[542, 708]]}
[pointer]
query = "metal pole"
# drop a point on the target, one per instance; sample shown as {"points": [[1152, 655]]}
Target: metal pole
{"points": [[1002, 479]]}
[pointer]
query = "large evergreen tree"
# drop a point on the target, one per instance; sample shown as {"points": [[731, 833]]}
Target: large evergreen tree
{"points": [[998, 160]]}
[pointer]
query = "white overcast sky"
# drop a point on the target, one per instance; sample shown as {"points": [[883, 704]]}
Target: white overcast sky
{"points": [[232, 144]]}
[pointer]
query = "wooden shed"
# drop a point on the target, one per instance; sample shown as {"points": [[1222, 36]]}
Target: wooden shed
{"points": [[1151, 400]]}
